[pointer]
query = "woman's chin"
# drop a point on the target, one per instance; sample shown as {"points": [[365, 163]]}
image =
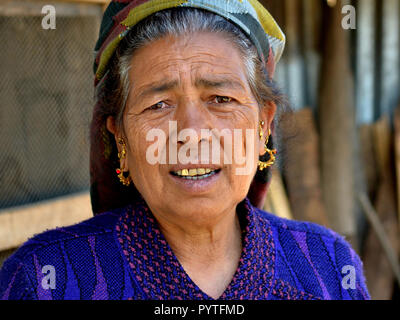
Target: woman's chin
{"points": [[201, 211], [190, 207]]}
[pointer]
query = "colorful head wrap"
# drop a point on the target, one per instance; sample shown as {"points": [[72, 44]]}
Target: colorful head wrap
{"points": [[120, 16]]}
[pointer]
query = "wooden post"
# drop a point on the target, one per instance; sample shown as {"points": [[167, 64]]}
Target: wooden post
{"points": [[368, 161], [365, 66], [390, 65], [294, 60], [300, 152], [277, 201], [381, 234], [377, 267], [311, 38], [337, 126], [397, 154]]}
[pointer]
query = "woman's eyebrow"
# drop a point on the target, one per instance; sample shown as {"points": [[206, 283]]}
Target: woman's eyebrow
{"points": [[158, 87], [163, 86], [219, 83]]}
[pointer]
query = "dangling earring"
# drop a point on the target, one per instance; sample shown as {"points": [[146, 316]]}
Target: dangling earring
{"points": [[262, 165], [126, 181]]}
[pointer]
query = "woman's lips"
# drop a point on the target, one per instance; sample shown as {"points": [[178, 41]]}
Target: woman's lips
{"points": [[195, 174], [196, 180]]}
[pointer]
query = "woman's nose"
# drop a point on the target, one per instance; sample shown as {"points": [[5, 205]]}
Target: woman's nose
{"points": [[193, 114]]}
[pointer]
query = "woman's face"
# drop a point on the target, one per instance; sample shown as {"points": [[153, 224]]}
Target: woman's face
{"points": [[199, 83]]}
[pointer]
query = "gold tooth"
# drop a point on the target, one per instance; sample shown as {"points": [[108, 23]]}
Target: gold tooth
{"points": [[193, 172]]}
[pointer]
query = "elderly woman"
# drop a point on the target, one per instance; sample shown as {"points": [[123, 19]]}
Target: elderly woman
{"points": [[168, 225]]}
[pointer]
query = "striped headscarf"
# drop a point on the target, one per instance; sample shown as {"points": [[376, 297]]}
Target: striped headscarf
{"points": [[120, 16]]}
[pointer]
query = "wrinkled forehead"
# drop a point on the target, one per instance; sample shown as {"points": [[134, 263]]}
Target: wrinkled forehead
{"points": [[199, 53]]}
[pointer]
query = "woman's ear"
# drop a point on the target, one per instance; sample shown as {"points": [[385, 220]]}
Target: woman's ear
{"points": [[267, 115], [111, 126]]}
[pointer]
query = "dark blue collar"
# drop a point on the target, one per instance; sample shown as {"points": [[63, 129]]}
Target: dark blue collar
{"points": [[158, 272]]}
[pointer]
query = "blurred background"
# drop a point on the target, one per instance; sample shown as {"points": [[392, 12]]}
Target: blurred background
{"points": [[338, 149]]}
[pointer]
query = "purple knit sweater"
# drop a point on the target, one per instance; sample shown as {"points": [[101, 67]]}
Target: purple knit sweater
{"points": [[123, 255]]}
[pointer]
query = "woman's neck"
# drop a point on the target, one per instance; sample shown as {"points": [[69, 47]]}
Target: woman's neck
{"points": [[209, 253]]}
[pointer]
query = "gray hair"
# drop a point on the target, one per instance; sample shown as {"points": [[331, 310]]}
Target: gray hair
{"points": [[177, 22]]}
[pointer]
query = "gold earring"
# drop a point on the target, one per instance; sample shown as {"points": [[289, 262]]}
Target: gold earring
{"points": [[261, 164], [261, 129], [126, 181]]}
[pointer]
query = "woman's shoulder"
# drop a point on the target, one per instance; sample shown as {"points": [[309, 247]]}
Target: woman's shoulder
{"points": [[66, 251], [101, 224], [316, 259], [299, 226]]}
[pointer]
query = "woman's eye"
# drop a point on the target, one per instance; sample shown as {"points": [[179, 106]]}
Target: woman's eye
{"points": [[221, 99], [158, 105]]}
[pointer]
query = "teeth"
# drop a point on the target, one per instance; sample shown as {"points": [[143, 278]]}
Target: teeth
{"points": [[193, 172]]}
